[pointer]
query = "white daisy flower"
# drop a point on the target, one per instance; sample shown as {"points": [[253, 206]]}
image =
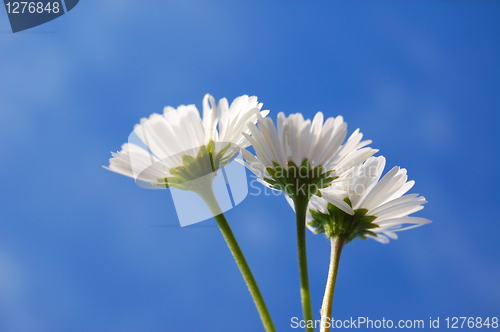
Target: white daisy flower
{"points": [[299, 157], [303, 155], [360, 204], [179, 146], [179, 149]]}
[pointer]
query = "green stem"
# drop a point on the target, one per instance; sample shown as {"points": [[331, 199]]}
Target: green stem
{"points": [[337, 243], [209, 197], [305, 294]]}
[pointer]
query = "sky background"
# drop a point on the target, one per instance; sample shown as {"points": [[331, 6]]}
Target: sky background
{"points": [[85, 249]]}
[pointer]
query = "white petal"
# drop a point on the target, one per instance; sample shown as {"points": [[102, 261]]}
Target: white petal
{"points": [[417, 221], [379, 238], [210, 117], [339, 202], [399, 207]]}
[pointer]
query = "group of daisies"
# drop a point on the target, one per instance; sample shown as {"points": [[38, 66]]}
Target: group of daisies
{"points": [[335, 185], [309, 160]]}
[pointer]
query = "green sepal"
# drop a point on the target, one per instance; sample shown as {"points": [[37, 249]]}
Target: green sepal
{"points": [[339, 223], [206, 162], [302, 181]]}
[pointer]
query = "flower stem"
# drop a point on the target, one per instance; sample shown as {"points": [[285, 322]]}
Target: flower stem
{"points": [[337, 243], [209, 197], [305, 294]]}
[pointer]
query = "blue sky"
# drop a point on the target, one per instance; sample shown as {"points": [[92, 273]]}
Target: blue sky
{"points": [[80, 247]]}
